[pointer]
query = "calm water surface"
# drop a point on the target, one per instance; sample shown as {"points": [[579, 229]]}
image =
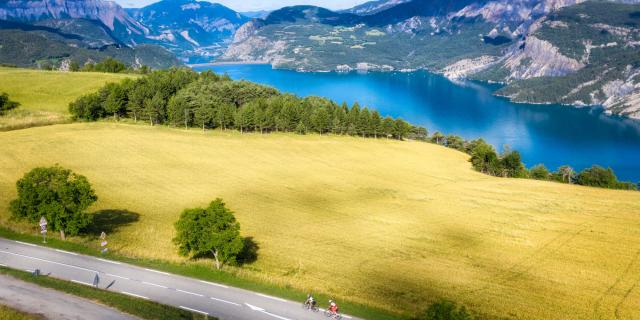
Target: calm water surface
{"points": [[549, 134]]}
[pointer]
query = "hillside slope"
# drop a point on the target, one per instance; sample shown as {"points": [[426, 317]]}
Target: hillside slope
{"points": [[390, 224]]}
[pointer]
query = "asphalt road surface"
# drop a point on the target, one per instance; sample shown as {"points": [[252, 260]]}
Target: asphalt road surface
{"points": [[194, 295], [52, 304]]}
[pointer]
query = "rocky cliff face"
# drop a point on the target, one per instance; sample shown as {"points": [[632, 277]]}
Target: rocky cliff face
{"points": [[107, 12]]}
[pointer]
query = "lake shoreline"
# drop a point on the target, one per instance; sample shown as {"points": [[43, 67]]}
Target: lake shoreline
{"points": [[227, 63]]}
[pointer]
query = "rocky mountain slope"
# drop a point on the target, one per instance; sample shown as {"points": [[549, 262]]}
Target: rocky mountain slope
{"points": [[196, 30], [117, 22], [526, 44]]}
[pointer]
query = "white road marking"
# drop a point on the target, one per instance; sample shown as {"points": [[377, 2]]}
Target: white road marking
{"points": [[225, 301], [117, 276], [346, 316], [67, 252], [156, 271], [194, 310], [270, 297], [134, 295], [49, 261], [109, 261], [187, 292], [81, 282], [254, 308], [155, 285], [26, 244], [214, 284]]}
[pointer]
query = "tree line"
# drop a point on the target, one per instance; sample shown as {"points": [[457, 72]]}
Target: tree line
{"points": [[181, 97]]}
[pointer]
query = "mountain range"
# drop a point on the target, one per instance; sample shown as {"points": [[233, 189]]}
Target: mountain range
{"points": [[82, 30], [574, 52]]}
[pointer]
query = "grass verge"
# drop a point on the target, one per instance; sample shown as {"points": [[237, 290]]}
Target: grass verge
{"points": [[131, 305], [7, 313], [189, 270]]}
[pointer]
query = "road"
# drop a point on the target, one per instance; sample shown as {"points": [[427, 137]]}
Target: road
{"points": [[204, 297], [55, 305]]}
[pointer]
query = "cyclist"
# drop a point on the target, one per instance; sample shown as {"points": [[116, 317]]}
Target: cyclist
{"points": [[333, 307], [310, 302]]}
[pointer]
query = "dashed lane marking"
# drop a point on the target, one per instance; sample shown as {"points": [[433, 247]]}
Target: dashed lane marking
{"points": [[214, 284], [191, 293], [225, 301]]}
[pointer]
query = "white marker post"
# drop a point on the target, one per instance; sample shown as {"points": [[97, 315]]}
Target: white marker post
{"points": [[43, 229], [103, 243]]}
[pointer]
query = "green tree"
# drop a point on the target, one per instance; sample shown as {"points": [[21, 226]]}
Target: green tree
{"points": [[154, 108], [110, 65], [485, 159], [6, 104], [116, 100], [438, 138], [320, 120], [87, 107], [301, 128], [387, 127], [400, 128], [539, 172], [455, 142], [512, 166], [210, 230], [57, 194], [597, 176], [445, 310], [376, 124]]}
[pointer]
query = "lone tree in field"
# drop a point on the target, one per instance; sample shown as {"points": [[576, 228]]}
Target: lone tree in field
{"points": [[212, 230], [57, 194]]}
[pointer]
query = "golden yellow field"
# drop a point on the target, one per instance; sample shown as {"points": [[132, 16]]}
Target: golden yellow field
{"points": [[384, 223]]}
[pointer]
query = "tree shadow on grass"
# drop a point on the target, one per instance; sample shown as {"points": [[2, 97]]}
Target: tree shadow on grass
{"points": [[249, 253], [111, 220]]}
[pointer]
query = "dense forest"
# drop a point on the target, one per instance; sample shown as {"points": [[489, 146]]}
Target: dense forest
{"points": [[180, 97]]}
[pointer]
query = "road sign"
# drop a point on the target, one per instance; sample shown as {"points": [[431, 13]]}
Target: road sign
{"points": [[103, 243], [43, 229]]}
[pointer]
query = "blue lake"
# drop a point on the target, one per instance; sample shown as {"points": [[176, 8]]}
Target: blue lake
{"points": [[550, 134]]}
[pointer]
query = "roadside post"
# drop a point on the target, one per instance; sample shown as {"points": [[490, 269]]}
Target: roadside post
{"points": [[96, 280], [43, 229], [103, 243]]}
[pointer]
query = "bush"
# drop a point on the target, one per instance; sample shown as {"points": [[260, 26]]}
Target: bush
{"points": [[539, 172], [445, 310], [597, 176], [87, 107], [6, 104]]}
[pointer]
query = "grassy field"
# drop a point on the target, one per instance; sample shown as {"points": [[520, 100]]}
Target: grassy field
{"points": [[7, 313], [50, 90], [382, 223], [45, 95]]}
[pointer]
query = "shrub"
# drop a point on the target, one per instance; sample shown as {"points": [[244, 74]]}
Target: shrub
{"points": [[445, 310]]}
